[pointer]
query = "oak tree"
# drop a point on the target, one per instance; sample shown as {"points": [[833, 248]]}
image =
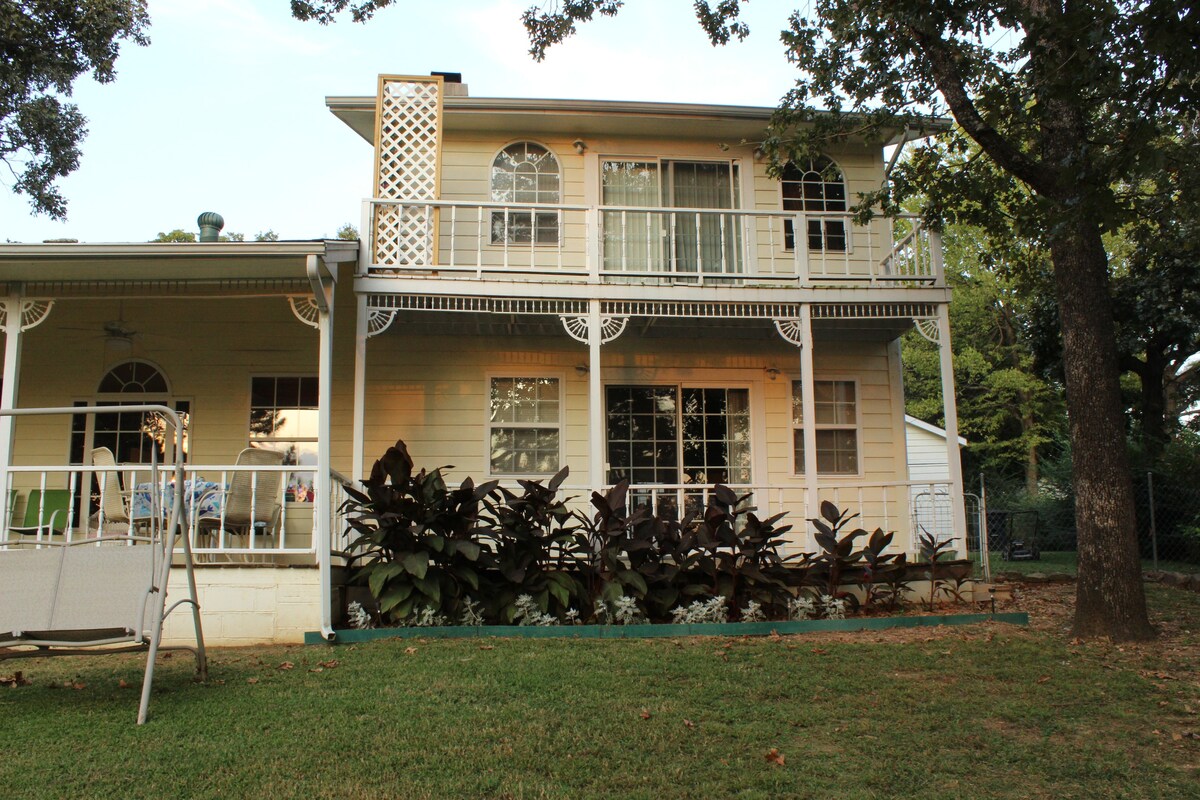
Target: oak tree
{"points": [[46, 45]]}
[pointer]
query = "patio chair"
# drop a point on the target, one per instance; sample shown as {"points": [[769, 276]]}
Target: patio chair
{"points": [[252, 502], [46, 513], [114, 501]]}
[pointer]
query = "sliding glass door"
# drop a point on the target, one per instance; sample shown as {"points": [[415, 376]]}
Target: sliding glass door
{"points": [[696, 238]]}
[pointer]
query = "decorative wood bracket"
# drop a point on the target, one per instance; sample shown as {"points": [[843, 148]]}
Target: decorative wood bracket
{"points": [[33, 313], [929, 329], [306, 310], [379, 320], [789, 329], [610, 328]]}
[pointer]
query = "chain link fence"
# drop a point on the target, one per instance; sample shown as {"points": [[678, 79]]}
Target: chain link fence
{"points": [[1041, 528]]}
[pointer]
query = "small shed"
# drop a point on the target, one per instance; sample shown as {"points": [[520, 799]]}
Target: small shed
{"points": [[929, 470]]}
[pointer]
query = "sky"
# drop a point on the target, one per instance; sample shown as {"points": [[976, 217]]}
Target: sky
{"points": [[225, 109]]}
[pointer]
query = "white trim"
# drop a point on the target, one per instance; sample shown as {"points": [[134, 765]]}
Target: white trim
{"points": [[506, 243], [489, 375], [934, 429]]}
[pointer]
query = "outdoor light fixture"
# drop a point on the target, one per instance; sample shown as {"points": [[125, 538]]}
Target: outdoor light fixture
{"points": [[582, 369], [580, 146]]}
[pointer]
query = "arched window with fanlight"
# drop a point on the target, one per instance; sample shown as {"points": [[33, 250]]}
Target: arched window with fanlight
{"points": [[133, 437], [525, 172], [816, 186]]}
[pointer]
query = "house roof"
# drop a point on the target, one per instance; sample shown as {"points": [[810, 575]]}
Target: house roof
{"points": [[587, 117], [934, 429], [64, 265]]}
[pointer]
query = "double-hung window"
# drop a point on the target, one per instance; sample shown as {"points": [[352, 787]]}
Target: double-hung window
{"points": [[524, 425], [283, 417], [836, 406]]}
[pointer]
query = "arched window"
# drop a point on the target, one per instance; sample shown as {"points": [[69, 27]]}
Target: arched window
{"points": [[525, 172], [131, 436], [816, 186], [133, 377]]}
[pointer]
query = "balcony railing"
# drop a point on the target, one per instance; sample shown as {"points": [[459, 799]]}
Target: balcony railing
{"points": [[630, 244]]}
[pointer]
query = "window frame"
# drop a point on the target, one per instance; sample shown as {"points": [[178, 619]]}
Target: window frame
{"points": [[506, 240], [680, 386], [252, 441], [489, 424], [856, 427], [847, 233]]}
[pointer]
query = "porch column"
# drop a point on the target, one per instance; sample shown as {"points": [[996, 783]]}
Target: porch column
{"points": [[8, 397], [950, 414], [596, 448], [360, 386], [808, 410]]}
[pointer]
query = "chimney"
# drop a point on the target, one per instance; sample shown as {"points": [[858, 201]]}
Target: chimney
{"points": [[210, 223], [452, 85]]}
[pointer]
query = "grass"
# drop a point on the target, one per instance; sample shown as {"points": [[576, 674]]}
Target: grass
{"points": [[986, 712], [1067, 561]]}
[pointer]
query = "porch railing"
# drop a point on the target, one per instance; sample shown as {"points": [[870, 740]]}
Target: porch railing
{"points": [[624, 244], [906, 507], [286, 525]]}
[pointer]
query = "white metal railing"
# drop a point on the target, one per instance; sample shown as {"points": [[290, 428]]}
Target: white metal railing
{"points": [[904, 507], [644, 245], [48, 504]]}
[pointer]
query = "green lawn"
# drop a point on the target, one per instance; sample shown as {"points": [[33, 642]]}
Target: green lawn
{"points": [[981, 712], [1066, 561]]}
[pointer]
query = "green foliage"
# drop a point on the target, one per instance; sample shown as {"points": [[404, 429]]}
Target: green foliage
{"points": [[347, 232], [47, 45], [537, 545], [639, 554], [739, 553], [934, 551], [417, 547], [266, 236], [176, 235]]}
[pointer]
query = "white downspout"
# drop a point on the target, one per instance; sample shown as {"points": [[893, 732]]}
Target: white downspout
{"points": [[323, 295]]}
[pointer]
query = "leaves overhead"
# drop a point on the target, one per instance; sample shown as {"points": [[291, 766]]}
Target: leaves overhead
{"points": [[46, 46]]}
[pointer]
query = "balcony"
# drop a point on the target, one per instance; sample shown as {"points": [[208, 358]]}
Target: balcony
{"points": [[645, 246]]}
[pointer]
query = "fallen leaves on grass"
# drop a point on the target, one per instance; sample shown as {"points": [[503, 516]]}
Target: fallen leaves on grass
{"points": [[687, 723], [645, 713], [122, 684], [15, 680], [286, 665], [408, 651], [252, 680], [775, 757], [487, 647], [1043, 679]]}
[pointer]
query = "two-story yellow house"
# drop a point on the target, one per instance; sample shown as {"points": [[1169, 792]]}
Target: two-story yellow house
{"points": [[620, 288]]}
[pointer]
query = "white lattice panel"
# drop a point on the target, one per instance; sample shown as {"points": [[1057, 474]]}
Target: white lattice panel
{"points": [[408, 133]]}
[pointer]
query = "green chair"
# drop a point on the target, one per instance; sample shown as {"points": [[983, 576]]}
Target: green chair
{"points": [[45, 513]]}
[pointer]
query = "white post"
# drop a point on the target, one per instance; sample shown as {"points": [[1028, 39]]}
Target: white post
{"points": [[808, 409], [322, 511], [950, 412], [8, 397], [596, 448], [360, 386]]}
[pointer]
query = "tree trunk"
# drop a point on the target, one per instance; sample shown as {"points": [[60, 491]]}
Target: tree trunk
{"points": [[1110, 599], [1154, 402], [1031, 451]]}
